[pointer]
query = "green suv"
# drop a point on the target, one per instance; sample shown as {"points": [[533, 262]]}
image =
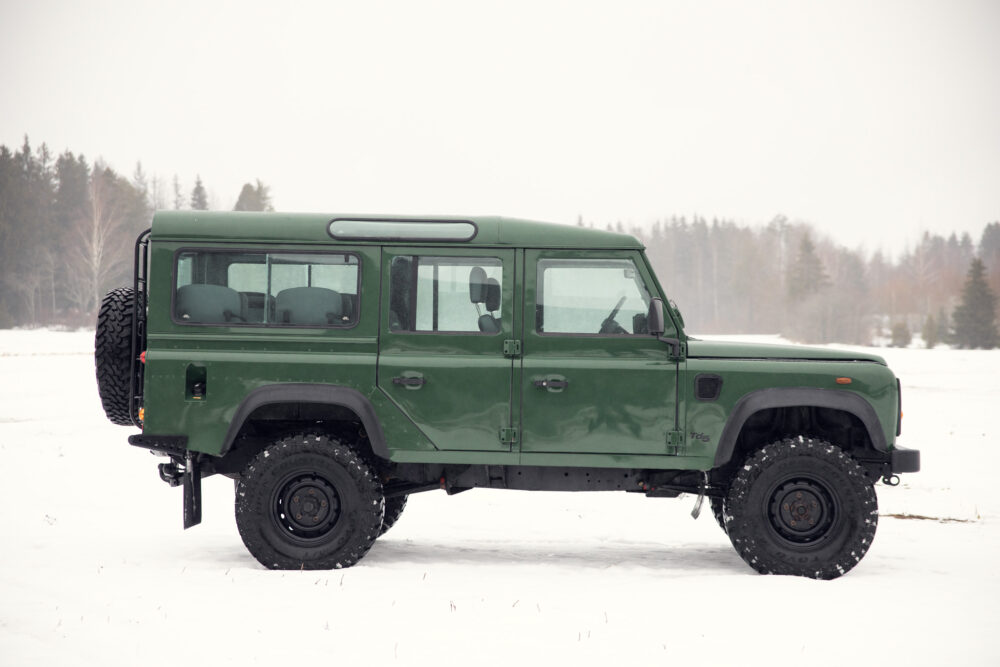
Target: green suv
{"points": [[333, 365]]}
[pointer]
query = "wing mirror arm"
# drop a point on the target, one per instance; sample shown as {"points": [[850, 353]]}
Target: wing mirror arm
{"points": [[655, 325]]}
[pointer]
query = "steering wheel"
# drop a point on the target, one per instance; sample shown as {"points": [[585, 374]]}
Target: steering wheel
{"points": [[609, 325]]}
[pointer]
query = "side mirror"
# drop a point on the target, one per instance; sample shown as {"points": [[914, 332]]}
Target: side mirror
{"points": [[654, 320], [655, 326]]}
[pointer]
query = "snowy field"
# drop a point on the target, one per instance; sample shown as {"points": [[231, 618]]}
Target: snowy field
{"points": [[97, 571]]}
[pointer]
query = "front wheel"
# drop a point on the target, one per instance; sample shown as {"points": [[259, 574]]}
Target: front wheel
{"points": [[308, 502], [394, 506], [801, 507]]}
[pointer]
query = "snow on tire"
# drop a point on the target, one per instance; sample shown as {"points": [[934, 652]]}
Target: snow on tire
{"points": [[801, 506], [394, 507]]}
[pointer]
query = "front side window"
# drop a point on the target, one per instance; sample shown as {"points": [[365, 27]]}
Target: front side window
{"points": [[584, 296], [445, 294], [267, 289]]}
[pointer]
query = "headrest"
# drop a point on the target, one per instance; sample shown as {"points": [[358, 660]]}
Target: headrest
{"points": [[492, 294], [477, 285]]}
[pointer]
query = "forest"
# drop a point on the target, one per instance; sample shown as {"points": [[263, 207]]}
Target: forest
{"points": [[67, 229]]}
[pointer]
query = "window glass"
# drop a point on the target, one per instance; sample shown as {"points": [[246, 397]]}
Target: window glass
{"points": [[281, 289], [605, 296], [447, 294], [402, 230]]}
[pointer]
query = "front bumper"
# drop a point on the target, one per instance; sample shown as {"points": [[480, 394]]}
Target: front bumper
{"points": [[905, 460]]}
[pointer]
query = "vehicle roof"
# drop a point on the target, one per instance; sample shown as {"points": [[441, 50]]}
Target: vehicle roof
{"points": [[242, 226]]}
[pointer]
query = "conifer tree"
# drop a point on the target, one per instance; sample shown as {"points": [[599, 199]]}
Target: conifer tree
{"points": [[976, 317], [807, 275], [199, 198], [254, 198], [930, 332]]}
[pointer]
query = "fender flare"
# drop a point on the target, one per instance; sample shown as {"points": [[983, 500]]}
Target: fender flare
{"points": [[786, 397], [323, 394]]}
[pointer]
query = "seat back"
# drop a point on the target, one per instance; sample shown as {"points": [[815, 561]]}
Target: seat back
{"points": [[210, 304], [310, 306]]}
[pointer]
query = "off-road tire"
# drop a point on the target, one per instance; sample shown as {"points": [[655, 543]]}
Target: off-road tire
{"points": [[801, 506], [394, 507], [718, 507], [112, 354], [337, 497]]}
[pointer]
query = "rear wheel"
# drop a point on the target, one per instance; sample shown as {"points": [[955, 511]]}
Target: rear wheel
{"points": [[801, 507], [308, 502]]}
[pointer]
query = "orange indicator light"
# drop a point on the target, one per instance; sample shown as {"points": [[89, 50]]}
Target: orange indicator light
{"points": [[844, 380]]}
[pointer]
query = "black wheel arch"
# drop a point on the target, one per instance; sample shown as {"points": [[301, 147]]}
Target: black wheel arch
{"points": [[793, 397], [315, 394]]}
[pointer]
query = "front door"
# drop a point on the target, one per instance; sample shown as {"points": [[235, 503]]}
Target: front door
{"points": [[593, 380], [445, 316]]}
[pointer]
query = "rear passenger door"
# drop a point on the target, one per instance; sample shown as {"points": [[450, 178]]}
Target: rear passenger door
{"points": [[445, 315]]}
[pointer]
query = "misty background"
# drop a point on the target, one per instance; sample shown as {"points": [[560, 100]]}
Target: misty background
{"points": [[827, 171]]}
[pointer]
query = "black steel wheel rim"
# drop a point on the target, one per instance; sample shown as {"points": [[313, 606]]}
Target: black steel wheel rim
{"points": [[802, 511], [306, 507]]}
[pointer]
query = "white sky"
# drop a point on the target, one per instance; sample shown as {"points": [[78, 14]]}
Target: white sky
{"points": [[872, 120]]}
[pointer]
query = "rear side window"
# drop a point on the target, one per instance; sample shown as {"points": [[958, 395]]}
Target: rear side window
{"points": [[267, 289]]}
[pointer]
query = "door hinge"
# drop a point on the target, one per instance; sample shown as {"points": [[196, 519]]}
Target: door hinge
{"points": [[512, 348], [508, 436], [675, 441]]}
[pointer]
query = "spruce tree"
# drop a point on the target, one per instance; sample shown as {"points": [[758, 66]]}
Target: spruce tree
{"points": [[976, 316], [807, 275], [199, 198], [930, 332], [254, 198]]}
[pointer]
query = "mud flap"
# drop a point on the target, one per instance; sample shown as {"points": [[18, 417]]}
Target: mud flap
{"points": [[192, 491]]}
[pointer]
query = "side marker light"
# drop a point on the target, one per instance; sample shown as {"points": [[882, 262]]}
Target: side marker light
{"points": [[844, 380]]}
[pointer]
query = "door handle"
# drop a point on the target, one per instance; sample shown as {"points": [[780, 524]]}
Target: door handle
{"points": [[551, 384], [409, 381]]}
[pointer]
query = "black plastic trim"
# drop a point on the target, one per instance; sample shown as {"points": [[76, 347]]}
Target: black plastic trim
{"points": [[323, 394], [707, 376], [786, 397], [905, 460], [166, 444]]}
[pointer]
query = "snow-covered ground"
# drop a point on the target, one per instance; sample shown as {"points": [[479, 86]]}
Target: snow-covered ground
{"points": [[97, 571]]}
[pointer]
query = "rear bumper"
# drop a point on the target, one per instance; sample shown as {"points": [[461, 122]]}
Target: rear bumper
{"points": [[905, 460], [174, 445]]}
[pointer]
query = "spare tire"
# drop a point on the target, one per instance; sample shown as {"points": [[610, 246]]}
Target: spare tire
{"points": [[113, 352]]}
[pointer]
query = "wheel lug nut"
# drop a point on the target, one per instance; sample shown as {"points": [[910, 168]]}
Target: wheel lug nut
{"points": [[295, 499], [785, 507], [798, 495], [298, 516]]}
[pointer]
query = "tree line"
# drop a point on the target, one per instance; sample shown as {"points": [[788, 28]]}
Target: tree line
{"points": [[67, 229], [785, 277]]}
